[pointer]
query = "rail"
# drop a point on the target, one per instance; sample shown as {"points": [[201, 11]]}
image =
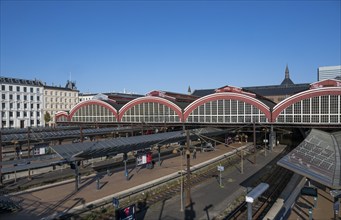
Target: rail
{"points": [[83, 209]]}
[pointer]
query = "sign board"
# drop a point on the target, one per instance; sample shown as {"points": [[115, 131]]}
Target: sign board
{"points": [[309, 191], [220, 168], [39, 151], [127, 213], [141, 159], [115, 202]]}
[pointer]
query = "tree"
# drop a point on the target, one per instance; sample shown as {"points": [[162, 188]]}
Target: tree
{"points": [[47, 117]]}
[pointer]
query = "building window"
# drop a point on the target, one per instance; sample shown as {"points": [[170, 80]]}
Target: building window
{"points": [[38, 98], [10, 88], [10, 105], [38, 114], [38, 106], [18, 97], [37, 90], [10, 97], [18, 114], [25, 106], [31, 97], [31, 90], [31, 106], [3, 96], [3, 87], [18, 89], [25, 97], [18, 105], [10, 114], [25, 114], [3, 105], [25, 89]]}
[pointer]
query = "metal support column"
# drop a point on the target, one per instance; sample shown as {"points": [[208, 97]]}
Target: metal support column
{"points": [[188, 155], [125, 158], [271, 138], [249, 211], [29, 151], [159, 154], [76, 175], [254, 144], [241, 162]]}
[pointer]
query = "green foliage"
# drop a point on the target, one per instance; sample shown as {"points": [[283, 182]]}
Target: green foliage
{"points": [[47, 117]]}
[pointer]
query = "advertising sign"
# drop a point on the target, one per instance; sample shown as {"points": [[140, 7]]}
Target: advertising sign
{"points": [[127, 213], [142, 159]]}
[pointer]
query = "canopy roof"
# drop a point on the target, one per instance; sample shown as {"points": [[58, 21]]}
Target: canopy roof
{"points": [[60, 134], [317, 158], [115, 146]]}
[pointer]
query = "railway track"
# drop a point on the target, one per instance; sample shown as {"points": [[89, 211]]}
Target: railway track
{"points": [[277, 179], [170, 190]]}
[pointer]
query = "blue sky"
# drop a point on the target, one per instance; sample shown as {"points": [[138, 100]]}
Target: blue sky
{"points": [[139, 46]]}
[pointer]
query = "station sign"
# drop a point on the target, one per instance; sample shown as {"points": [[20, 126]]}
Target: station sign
{"points": [[220, 168]]}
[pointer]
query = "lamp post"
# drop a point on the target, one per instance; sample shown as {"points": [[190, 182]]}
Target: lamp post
{"points": [[188, 191], [265, 140], [182, 184], [29, 150]]}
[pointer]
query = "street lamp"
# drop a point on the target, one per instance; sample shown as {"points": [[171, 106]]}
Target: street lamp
{"points": [[182, 183]]}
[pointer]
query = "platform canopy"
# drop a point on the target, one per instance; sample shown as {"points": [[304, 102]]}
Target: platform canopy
{"points": [[317, 158], [60, 134], [114, 146]]}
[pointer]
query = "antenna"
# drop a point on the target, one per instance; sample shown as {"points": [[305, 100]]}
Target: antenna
{"points": [[70, 76]]}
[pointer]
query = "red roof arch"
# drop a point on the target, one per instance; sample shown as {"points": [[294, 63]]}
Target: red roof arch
{"points": [[93, 102], [146, 99], [301, 96], [228, 96], [61, 114]]}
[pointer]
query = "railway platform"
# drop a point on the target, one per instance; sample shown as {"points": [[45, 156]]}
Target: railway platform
{"points": [[47, 201]]}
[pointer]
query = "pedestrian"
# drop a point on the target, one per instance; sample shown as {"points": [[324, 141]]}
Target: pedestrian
{"points": [[194, 153]]}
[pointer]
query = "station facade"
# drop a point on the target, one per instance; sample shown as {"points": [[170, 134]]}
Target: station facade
{"points": [[319, 104]]}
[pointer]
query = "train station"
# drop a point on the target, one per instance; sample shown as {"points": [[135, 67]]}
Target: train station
{"points": [[164, 155]]}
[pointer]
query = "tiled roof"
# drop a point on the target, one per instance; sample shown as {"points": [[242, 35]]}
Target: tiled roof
{"points": [[203, 92], [20, 81], [278, 89]]}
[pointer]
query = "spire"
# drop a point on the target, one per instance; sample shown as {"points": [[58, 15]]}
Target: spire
{"points": [[287, 72], [287, 81], [189, 90]]}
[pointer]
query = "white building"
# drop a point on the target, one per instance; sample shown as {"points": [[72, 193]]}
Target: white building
{"points": [[21, 103], [59, 99], [328, 72], [86, 96]]}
